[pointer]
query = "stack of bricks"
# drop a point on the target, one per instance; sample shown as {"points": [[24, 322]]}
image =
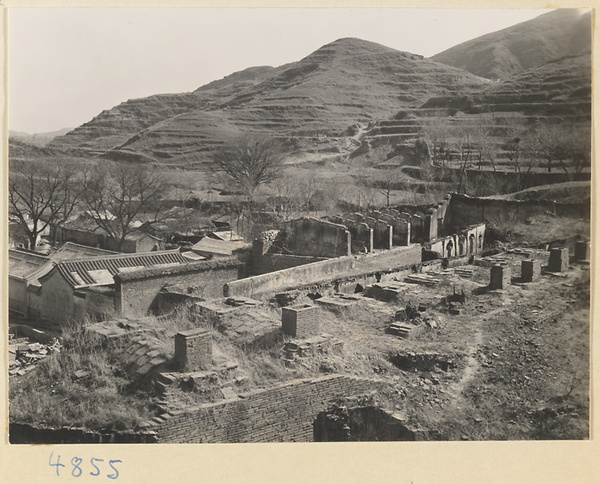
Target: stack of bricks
{"points": [[193, 349], [300, 321], [500, 277], [559, 260], [531, 270]]}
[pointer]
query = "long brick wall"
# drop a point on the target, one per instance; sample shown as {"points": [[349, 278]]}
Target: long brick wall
{"points": [[281, 414], [276, 281]]}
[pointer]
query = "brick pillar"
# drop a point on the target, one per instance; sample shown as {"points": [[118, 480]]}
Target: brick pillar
{"points": [[558, 260], [582, 250], [530, 270], [300, 321], [500, 277], [193, 349]]}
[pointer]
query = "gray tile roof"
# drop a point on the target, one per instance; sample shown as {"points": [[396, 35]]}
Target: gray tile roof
{"points": [[24, 264], [96, 271], [70, 251]]}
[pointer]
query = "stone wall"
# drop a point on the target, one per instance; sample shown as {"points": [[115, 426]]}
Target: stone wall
{"points": [[137, 291], [281, 414], [318, 238], [465, 211]]}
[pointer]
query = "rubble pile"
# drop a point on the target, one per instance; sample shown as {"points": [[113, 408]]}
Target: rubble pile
{"points": [[24, 355]]}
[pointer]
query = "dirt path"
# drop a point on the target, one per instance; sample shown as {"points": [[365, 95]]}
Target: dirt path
{"points": [[455, 390]]}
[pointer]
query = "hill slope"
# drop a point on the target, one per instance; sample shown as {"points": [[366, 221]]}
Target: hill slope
{"points": [[560, 33], [347, 81]]}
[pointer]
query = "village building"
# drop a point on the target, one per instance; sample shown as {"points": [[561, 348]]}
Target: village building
{"points": [[84, 230]]}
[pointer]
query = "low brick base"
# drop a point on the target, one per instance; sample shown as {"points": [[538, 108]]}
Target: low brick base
{"points": [[500, 277], [558, 260], [300, 321], [531, 270]]}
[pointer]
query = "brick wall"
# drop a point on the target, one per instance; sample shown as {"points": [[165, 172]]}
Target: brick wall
{"points": [[137, 291], [281, 414]]}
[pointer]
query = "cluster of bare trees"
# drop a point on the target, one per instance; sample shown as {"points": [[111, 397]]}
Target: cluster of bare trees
{"points": [[543, 145], [524, 150], [47, 192]]}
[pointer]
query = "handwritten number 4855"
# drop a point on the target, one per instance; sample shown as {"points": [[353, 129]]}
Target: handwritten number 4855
{"points": [[77, 470]]}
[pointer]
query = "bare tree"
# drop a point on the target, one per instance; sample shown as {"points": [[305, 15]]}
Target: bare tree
{"points": [[250, 161], [118, 197], [436, 132], [42, 193]]}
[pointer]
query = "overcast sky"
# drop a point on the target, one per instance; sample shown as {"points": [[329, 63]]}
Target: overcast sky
{"points": [[66, 65]]}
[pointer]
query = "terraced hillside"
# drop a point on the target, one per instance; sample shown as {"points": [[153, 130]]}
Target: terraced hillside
{"points": [[341, 83], [352, 94], [115, 126], [560, 33], [559, 91]]}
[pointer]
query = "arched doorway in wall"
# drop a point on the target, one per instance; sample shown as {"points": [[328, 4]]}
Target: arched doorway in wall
{"points": [[449, 247], [471, 244], [461, 245]]}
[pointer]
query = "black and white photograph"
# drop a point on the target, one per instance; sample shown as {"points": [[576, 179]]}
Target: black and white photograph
{"points": [[284, 225]]}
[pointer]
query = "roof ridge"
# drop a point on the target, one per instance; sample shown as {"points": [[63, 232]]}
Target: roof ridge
{"points": [[121, 255], [28, 253]]}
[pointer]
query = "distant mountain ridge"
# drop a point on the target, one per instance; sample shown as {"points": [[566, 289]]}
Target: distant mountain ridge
{"points": [[344, 82], [551, 36], [544, 66]]}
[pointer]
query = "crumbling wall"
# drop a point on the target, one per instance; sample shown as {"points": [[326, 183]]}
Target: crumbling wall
{"points": [[137, 291], [361, 424], [276, 281], [325, 273], [383, 233], [465, 210], [318, 238], [281, 414]]}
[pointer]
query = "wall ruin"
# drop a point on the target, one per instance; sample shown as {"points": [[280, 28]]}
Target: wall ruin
{"points": [[280, 414]]}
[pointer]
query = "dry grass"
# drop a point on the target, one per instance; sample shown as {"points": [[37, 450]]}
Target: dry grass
{"points": [[51, 394]]}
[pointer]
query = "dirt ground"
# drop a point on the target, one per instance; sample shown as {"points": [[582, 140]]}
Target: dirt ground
{"points": [[514, 364]]}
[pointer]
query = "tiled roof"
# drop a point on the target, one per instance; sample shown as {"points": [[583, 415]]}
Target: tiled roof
{"points": [[23, 264], [70, 251], [216, 247], [100, 270]]}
